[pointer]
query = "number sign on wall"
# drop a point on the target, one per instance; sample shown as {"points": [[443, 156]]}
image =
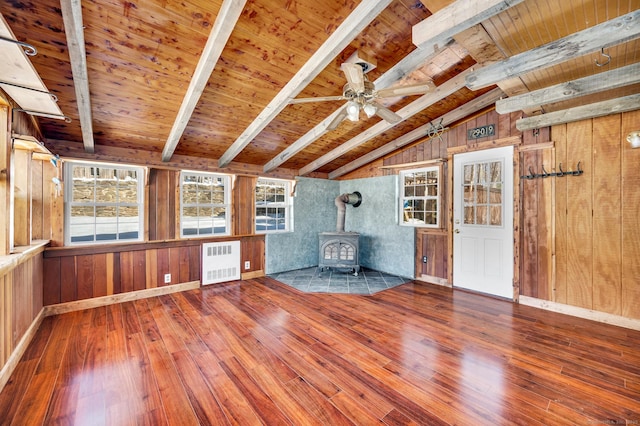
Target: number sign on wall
{"points": [[481, 132]]}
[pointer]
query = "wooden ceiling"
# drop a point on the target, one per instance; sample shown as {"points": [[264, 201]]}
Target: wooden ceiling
{"points": [[142, 71]]}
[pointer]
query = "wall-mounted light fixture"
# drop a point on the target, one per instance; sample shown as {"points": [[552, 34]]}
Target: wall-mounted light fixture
{"points": [[634, 139]]}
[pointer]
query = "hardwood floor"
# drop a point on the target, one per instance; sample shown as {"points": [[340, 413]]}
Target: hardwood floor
{"points": [[260, 352]]}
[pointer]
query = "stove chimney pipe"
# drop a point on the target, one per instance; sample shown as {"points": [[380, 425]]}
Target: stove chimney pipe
{"points": [[355, 199]]}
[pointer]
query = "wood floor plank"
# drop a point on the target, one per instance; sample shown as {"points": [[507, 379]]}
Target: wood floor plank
{"points": [[259, 352]]}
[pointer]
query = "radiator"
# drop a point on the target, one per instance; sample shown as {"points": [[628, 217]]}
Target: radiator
{"points": [[220, 262]]}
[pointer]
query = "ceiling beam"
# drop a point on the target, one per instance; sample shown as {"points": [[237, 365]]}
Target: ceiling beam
{"points": [[353, 25], [430, 36], [598, 109], [409, 63], [226, 20], [613, 79], [449, 87], [455, 18], [74, 31], [451, 117], [607, 34]]}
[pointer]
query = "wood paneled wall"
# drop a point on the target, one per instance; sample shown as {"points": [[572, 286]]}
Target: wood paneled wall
{"points": [[164, 191], [85, 272], [582, 233], [20, 298]]}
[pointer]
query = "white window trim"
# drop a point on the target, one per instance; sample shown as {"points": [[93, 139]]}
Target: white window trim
{"points": [[402, 198], [68, 200], [226, 205], [287, 205]]}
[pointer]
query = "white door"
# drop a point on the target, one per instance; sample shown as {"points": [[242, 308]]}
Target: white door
{"points": [[483, 221]]}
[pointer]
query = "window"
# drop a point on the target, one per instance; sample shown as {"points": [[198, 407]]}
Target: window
{"points": [[483, 198], [273, 205], [204, 204], [103, 203], [420, 197]]}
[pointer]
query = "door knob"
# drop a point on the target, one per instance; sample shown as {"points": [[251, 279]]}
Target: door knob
{"points": [[457, 231]]}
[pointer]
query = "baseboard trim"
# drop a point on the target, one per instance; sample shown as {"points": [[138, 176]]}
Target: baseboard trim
{"points": [[576, 311], [78, 305], [434, 280], [251, 275], [21, 347]]}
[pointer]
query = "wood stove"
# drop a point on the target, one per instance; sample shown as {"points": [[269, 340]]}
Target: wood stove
{"points": [[339, 250]]}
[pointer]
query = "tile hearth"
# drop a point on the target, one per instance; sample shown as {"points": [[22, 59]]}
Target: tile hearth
{"points": [[311, 280]]}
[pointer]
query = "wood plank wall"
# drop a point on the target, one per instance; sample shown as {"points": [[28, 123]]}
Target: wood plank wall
{"points": [[85, 272], [20, 301], [164, 190], [596, 228]]}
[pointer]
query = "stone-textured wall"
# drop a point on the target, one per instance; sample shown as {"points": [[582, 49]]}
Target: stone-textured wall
{"points": [[314, 211], [384, 245]]}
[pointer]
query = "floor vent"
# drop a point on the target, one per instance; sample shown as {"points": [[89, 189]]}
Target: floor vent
{"points": [[220, 262]]}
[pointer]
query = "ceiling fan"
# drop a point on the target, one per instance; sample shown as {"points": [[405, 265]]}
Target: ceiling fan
{"points": [[361, 94]]}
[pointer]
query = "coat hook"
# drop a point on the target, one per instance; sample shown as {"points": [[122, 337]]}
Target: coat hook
{"points": [[561, 172], [606, 56], [544, 172], [531, 174]]}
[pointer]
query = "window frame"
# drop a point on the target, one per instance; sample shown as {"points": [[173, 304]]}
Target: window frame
{"points": [[402, 198], [226, 204], [286, 204], [69, 166]]}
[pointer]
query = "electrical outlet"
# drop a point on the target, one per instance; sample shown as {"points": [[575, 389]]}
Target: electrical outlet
{"points": [[424, 259], [167, 278], [247, 265]]}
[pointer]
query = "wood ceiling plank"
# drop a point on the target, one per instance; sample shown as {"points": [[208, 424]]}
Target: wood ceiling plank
{"points": [[402, 68], [442, 91], [418, 133], [598, 109], [561, 92], [612, 32], [339, 39], [74, 30], [220, 33]]}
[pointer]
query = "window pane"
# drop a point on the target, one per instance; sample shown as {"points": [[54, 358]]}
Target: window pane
{"points": [[83, 188], [128, 190], [482, 194], [481, 215], [409, 191], [469, 215], [495, 171], [106, 186], [496, 215]]}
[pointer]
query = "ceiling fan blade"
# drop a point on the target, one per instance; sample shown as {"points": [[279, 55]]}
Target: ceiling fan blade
{"points": [[338, 119], [387, 115], [354, 75], [318, 99], [413, 89]]}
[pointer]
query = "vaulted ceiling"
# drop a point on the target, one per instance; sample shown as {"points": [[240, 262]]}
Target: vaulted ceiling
{"points": [[156, 80]]}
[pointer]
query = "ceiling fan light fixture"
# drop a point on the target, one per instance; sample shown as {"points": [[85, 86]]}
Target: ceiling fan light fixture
{"points": [[369, 109], [353, 111]]}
